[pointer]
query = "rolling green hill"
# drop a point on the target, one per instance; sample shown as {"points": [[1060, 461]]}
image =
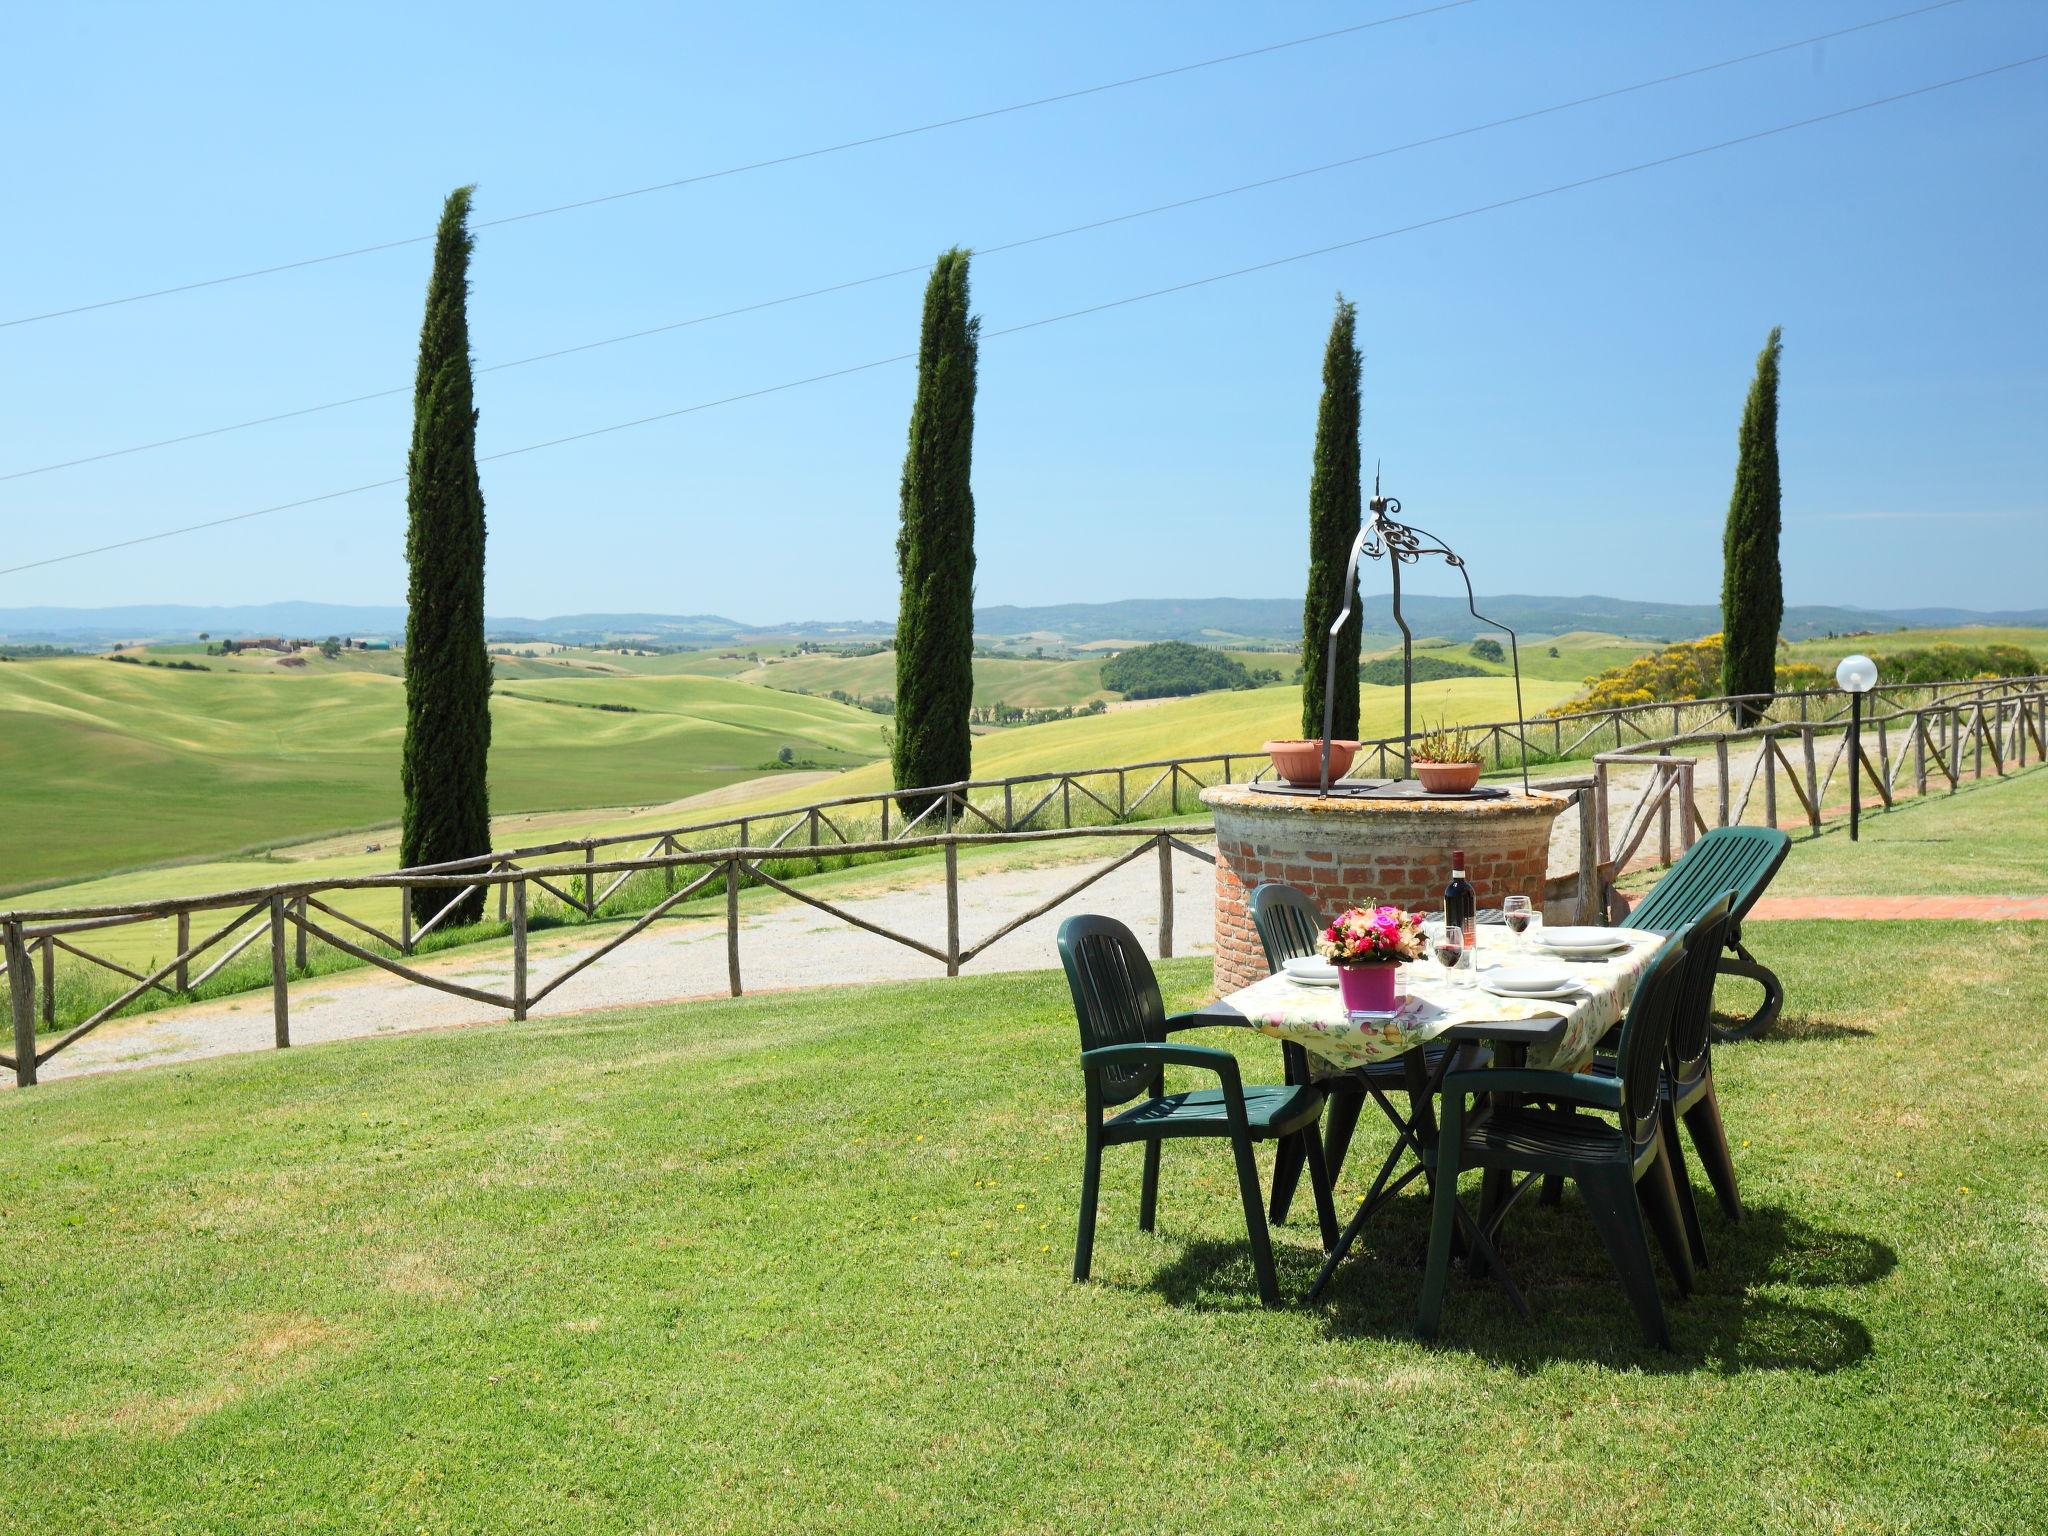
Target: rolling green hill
{"points": [[111, 767]]}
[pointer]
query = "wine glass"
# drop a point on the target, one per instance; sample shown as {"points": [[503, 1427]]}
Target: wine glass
{"points": [[1519, 915], [1447, 945]]}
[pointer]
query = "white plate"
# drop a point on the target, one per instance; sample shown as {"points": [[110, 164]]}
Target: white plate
{"points": [[1537, 979], [1310, 970], [1583, 938], [1571, 989]]}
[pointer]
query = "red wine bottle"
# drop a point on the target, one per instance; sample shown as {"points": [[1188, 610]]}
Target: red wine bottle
{"points": [[1461, 909]]}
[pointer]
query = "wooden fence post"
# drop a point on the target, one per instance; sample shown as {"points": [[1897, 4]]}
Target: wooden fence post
{"points": [[1664, 814], [1721, 771], [280, 1005], [814, 827], [732, 924], [952, 907], [1920, 752], [1173, 788], [589, 882], [1009, 809], [1119, 794], [1591, 908], [299, 940], [404, 920], [21, 990], [504, 896], [184, 978], [1812, 776], [1066, 802], [1771, 761], [1600, 812], [668, 871], [49, 981], [518, 950], [1689, 804], [1165, 897]]}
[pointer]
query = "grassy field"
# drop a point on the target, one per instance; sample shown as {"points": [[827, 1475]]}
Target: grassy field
{"points": [[111, 767], [1828, 652], [1990, 838], [800, 1263]]}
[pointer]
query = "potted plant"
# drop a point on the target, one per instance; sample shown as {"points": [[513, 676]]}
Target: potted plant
{"points": [[1300, 761], [1367, 945], [1446, 760]]}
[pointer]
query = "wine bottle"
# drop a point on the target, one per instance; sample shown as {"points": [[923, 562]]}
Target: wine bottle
{"points": [[1461, 908]]}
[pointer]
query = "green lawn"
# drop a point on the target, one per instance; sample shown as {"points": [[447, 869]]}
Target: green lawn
{"points": [[1990, 838], [799, 1263]]}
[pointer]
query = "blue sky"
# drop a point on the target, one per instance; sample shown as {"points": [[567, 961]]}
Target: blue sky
{"points": [[1555, 386]]}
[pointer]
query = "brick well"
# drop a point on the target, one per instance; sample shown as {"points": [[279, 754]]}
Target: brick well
{"points": [[1351, 853]]}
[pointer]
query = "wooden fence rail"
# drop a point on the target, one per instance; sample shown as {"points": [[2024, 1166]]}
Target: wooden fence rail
{"points": [[1999, 721]]}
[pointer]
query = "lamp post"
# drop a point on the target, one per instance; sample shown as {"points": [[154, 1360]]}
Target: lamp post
{"points": [[1856, 676]]}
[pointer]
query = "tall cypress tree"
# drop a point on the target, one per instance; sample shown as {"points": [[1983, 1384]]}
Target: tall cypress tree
{"points": [[447, 668], [1752, 585], [1333, 516], [935, 545]]}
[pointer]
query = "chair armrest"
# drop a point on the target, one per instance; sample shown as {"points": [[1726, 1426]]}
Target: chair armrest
{"points": [[1176, 1022], [1206, 1057], [1578, 1087]]}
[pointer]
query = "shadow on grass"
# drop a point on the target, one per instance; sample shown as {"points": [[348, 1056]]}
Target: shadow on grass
{"points": [[1796, 1029], [1737, 1320]]}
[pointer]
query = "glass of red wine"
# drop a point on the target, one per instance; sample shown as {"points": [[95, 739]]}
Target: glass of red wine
{"points": [[1519, 915], [1447, 946]]}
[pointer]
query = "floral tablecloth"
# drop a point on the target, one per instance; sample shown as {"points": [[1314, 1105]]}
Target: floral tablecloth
{"points": [[1314, 1017]]}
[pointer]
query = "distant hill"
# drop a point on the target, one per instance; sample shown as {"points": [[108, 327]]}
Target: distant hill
{"points": [[1213, 619]]}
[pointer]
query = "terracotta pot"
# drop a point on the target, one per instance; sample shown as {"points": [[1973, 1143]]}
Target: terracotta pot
{"points": [[1369, 988], [1301, 762], [1447, 778]]}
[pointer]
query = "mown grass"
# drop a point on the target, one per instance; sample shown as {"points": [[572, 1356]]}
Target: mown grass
{"points": [[799, 1262]]}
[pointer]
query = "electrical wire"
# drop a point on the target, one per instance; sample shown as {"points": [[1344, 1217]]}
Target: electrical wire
{"points": [[983, 252], [1092, 309], [756, 165]]}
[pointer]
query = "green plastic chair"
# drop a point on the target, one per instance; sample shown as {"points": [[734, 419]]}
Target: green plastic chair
{"points": [[1289, 926], [1739, 859], [1124, 1054], [1621, 1171], [1687, 1087]]}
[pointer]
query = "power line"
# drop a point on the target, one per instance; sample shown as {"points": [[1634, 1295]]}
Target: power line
{"points": [[1092, 309], [760, 165], [1014, 245]]}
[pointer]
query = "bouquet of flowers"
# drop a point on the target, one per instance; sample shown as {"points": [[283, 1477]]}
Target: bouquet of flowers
{"points": [[1373, 936]]}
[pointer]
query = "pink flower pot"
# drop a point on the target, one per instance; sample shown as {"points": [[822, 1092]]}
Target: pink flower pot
{"points": [[1369, 988], [1301, 762]]}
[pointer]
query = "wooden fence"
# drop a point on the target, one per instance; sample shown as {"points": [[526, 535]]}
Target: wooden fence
{"points": [[2000, 720]]}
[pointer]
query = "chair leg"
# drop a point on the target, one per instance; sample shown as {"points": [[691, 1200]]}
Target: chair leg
{"points": [[1091, 1182], [1287, 1160], [1443, 1226], [1494, 1187], [1255, 1221], [1345, 1102], [1319, 1182], [1659, 1199], [1710, 1140], [1611, 1199], [1681, 1180], [1552, 1192], [1148, 1199]]}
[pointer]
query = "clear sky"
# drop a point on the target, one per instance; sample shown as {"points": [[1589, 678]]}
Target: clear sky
{"points": [[1554, 386]]}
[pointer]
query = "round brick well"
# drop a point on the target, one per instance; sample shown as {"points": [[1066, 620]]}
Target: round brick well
{"points": [[1352, 853]]}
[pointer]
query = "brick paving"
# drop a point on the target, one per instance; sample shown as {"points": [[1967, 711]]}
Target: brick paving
{"points": [[1981, 909]]}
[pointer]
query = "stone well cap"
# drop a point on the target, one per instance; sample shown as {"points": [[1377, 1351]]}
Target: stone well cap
{"points": [[1243, 797]]}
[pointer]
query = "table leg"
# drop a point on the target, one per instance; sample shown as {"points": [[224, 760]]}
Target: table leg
{"points": [[1497, 1184]]}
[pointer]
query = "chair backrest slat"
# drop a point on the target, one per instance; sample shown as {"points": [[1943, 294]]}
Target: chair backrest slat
{"points": [[1689, 1030], [1741, 859], [1116, 997], [1645, 1035], [1289, 925]]}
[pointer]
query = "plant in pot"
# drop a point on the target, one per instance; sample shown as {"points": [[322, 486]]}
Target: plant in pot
{"points": [[1300, 761], [1446, 760], [1368, 945]]}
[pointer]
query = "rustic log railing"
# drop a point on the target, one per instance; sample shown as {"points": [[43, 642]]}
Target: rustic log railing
{"points": [[1999, 721]]}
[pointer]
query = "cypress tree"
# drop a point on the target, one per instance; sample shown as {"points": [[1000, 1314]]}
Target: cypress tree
{"points": [[1752, 585], [935, 545], [447, 668], [1333, 518]]}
